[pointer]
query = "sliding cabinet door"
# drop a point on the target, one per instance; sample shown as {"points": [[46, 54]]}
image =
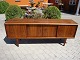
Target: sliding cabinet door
{"points": [[16, 31], [49, 31], [34, 31], [66, 31]]}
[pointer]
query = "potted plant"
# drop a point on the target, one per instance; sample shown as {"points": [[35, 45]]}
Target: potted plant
{"points": [[3, 7], [13, 11], [52, 12]]}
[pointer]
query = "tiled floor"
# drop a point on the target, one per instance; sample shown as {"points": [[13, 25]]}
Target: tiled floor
{"points": [[39, 49]]}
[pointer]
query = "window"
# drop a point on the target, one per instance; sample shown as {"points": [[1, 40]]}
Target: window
{"points": [[17, 0], [72, 2], [56, 1]]}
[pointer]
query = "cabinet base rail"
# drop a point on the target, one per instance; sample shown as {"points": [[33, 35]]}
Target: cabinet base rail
{"points": [[17, 42]]}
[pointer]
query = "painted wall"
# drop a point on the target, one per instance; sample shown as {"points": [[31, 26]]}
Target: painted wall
{"points": [[23, 2], [26, 2]]}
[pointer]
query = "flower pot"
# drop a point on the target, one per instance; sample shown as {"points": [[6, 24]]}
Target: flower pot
{"points": [[2, 17]]}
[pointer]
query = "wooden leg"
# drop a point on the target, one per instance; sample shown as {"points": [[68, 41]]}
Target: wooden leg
{"points": [[17, 42], [64, 42]]}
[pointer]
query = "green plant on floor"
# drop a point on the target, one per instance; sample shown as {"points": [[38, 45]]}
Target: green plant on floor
{"points": [[13, 11], [52, 12], [3, 6]]}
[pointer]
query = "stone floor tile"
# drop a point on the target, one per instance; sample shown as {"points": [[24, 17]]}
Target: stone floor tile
{"points": [[43, 51]]}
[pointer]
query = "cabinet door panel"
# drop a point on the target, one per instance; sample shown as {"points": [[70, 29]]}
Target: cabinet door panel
{"points": [[34, 30], [16, 31], [49, 31], [66, 31], [10, 31], [21, 31]]}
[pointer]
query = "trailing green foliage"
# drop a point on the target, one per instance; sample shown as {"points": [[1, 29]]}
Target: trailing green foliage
{"points": [[13, 11], [3, 6], [52, 12], [23, 12], [37, 16]]}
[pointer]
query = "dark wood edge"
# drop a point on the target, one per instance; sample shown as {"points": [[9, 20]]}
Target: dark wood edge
{"points": [[17, 42], [64, 42], [38, 24], [42, 38], [75, 31]]}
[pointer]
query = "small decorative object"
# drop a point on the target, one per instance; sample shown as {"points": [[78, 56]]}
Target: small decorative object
{"points": [[32, 3]]}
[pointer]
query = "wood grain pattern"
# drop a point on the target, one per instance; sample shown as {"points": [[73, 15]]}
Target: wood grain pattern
{"points": [[21, 31], [16, 31], [40, 29], [66, 31], [49, 31], [10, 31], [41, 22], [34, 30]]}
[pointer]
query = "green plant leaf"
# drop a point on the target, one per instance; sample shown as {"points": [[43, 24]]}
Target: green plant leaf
{"points": [[13, 11], [52, 12]]}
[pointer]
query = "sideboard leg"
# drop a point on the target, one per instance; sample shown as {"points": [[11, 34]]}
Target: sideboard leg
{"points": [[64, 42], [17, 42]]}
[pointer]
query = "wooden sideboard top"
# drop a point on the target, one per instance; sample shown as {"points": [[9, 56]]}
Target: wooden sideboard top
{"points": [[42, 21]]}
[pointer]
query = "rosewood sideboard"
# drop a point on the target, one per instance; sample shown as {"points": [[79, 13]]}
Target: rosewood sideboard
{"points": [[40, 29]]}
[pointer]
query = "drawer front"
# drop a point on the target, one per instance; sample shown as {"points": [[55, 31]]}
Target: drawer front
{"points": [[66, 31]]}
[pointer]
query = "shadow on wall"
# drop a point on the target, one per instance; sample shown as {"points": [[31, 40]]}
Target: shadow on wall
{"points": [[34, 41]]}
